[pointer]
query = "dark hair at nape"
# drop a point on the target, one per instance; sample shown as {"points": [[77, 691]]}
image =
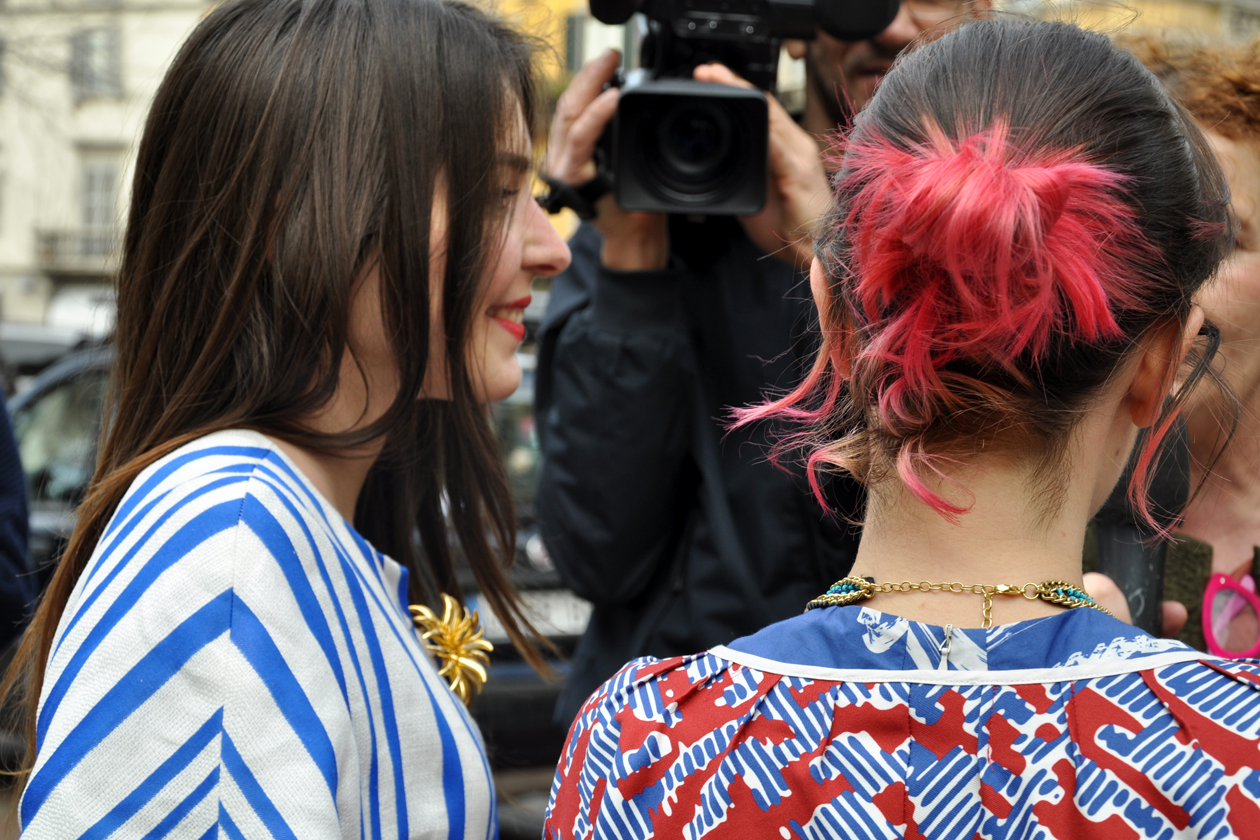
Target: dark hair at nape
{"points": [[1018, 205], [293, 145]]}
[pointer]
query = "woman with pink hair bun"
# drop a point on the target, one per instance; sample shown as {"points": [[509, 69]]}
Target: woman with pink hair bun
{"points": [[1006, 285]]}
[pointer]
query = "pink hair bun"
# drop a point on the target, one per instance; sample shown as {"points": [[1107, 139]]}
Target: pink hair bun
{"points": [[980, 252], [1015, 208]]}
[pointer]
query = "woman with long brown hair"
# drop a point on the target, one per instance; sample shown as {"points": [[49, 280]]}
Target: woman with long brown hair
{"points": [[329, 250]]}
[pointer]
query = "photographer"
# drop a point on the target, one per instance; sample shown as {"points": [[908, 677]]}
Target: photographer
{"points": [[681, 536]]}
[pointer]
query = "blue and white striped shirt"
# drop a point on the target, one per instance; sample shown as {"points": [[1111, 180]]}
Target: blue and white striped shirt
{"points": [[236, 661]]}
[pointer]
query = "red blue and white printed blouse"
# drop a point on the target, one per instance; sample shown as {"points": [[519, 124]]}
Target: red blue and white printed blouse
{"points": [[846, 722]]}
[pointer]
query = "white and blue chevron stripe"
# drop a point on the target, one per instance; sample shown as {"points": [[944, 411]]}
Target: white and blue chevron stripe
{"points": [[236, 661]]}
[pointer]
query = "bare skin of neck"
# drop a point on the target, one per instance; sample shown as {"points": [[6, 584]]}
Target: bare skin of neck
{"points": [[1014, 533], [338, 478], [1020, 528], [368, 385]]}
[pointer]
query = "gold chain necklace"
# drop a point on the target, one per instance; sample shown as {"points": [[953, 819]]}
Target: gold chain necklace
{"points": [[850, 590]]}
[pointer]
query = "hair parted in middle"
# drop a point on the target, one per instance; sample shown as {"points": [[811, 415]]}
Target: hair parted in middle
{"points": [[1017, 206]]}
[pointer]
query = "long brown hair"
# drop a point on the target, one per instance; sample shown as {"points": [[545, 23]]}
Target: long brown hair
{"points": [[292, 144]]}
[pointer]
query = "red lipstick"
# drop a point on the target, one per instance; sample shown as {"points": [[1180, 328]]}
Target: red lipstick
{"points": [[517, 330]]}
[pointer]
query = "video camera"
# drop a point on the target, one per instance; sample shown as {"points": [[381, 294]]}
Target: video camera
{"points": [[678, 145]]}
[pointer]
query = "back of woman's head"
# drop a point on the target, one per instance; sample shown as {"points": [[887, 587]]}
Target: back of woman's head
{"points": [[294, 148], [1017, 206]]}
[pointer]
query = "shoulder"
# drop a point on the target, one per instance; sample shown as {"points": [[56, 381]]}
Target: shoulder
{"points": [[194, 527], [664, 744], [207, 473], [204, 630], [213, 483], [652, 705], [1227, 690]]}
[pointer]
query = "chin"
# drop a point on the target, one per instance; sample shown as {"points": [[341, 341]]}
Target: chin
{"points": [[501, 383]]}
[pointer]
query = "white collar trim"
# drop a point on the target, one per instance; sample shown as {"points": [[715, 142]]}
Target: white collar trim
{"points": [[1024, 676]]}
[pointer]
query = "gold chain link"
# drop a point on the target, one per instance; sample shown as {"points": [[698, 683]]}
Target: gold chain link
{"points": [[1051, 591]]}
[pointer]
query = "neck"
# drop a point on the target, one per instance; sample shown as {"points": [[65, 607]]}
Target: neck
{"points": [[1005, 538], [362, 397], [339, 478], [1226, 511]]}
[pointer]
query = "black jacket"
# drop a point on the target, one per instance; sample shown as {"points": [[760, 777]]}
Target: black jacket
{"points": [[682, 536]]}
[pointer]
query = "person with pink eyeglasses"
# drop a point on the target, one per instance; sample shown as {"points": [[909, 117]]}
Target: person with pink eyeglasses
{"points": [[1214, 563]]}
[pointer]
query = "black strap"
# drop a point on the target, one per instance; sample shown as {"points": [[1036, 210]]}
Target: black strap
{"points": [[580, 198]]}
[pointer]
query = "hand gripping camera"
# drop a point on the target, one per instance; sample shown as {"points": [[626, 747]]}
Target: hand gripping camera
{"points": [[678, 145]]}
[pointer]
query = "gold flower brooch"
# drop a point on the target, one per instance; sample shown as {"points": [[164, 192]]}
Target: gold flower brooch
{"points": [[456, 640]]}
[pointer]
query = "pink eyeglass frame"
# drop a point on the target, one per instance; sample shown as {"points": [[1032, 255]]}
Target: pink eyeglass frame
{"points": [[1216, 583]]}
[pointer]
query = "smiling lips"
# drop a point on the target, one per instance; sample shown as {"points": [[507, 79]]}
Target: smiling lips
{"points": [[511, 316]]}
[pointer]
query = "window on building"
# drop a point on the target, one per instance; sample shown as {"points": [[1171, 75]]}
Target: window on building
{"points": [[98, 199], [96, 63], [573, 52], [586, 38]]}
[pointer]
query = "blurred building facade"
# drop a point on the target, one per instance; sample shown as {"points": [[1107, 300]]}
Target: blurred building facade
{"points": [[76, 80], [1234, 20], [77, 77]]}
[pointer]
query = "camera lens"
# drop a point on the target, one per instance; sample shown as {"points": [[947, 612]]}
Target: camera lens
{"points": [[694, 140], [691, 151]]}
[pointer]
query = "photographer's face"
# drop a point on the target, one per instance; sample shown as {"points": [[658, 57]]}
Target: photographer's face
{"points": [[843, 74]]}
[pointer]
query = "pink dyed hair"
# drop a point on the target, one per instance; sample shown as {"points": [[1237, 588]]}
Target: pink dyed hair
{"points": [[976, 253]]}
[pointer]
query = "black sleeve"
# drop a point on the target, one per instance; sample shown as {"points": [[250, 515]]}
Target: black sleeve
{"points": [[614, 387], [18, 589]]}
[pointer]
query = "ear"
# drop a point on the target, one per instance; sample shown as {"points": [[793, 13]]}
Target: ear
{"points": [[1162, 353], [821, 289]]}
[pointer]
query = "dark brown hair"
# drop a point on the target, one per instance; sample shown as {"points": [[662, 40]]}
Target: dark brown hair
{"points": [[293, 145], [1018, 205]]}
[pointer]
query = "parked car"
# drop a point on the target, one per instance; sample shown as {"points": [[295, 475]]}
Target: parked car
{"points": [[57, 422]]}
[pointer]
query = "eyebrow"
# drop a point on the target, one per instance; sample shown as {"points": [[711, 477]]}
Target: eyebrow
{"points": [[518, 163]]}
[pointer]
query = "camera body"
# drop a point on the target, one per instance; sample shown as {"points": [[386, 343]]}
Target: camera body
{"points": [[681, 146]]}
